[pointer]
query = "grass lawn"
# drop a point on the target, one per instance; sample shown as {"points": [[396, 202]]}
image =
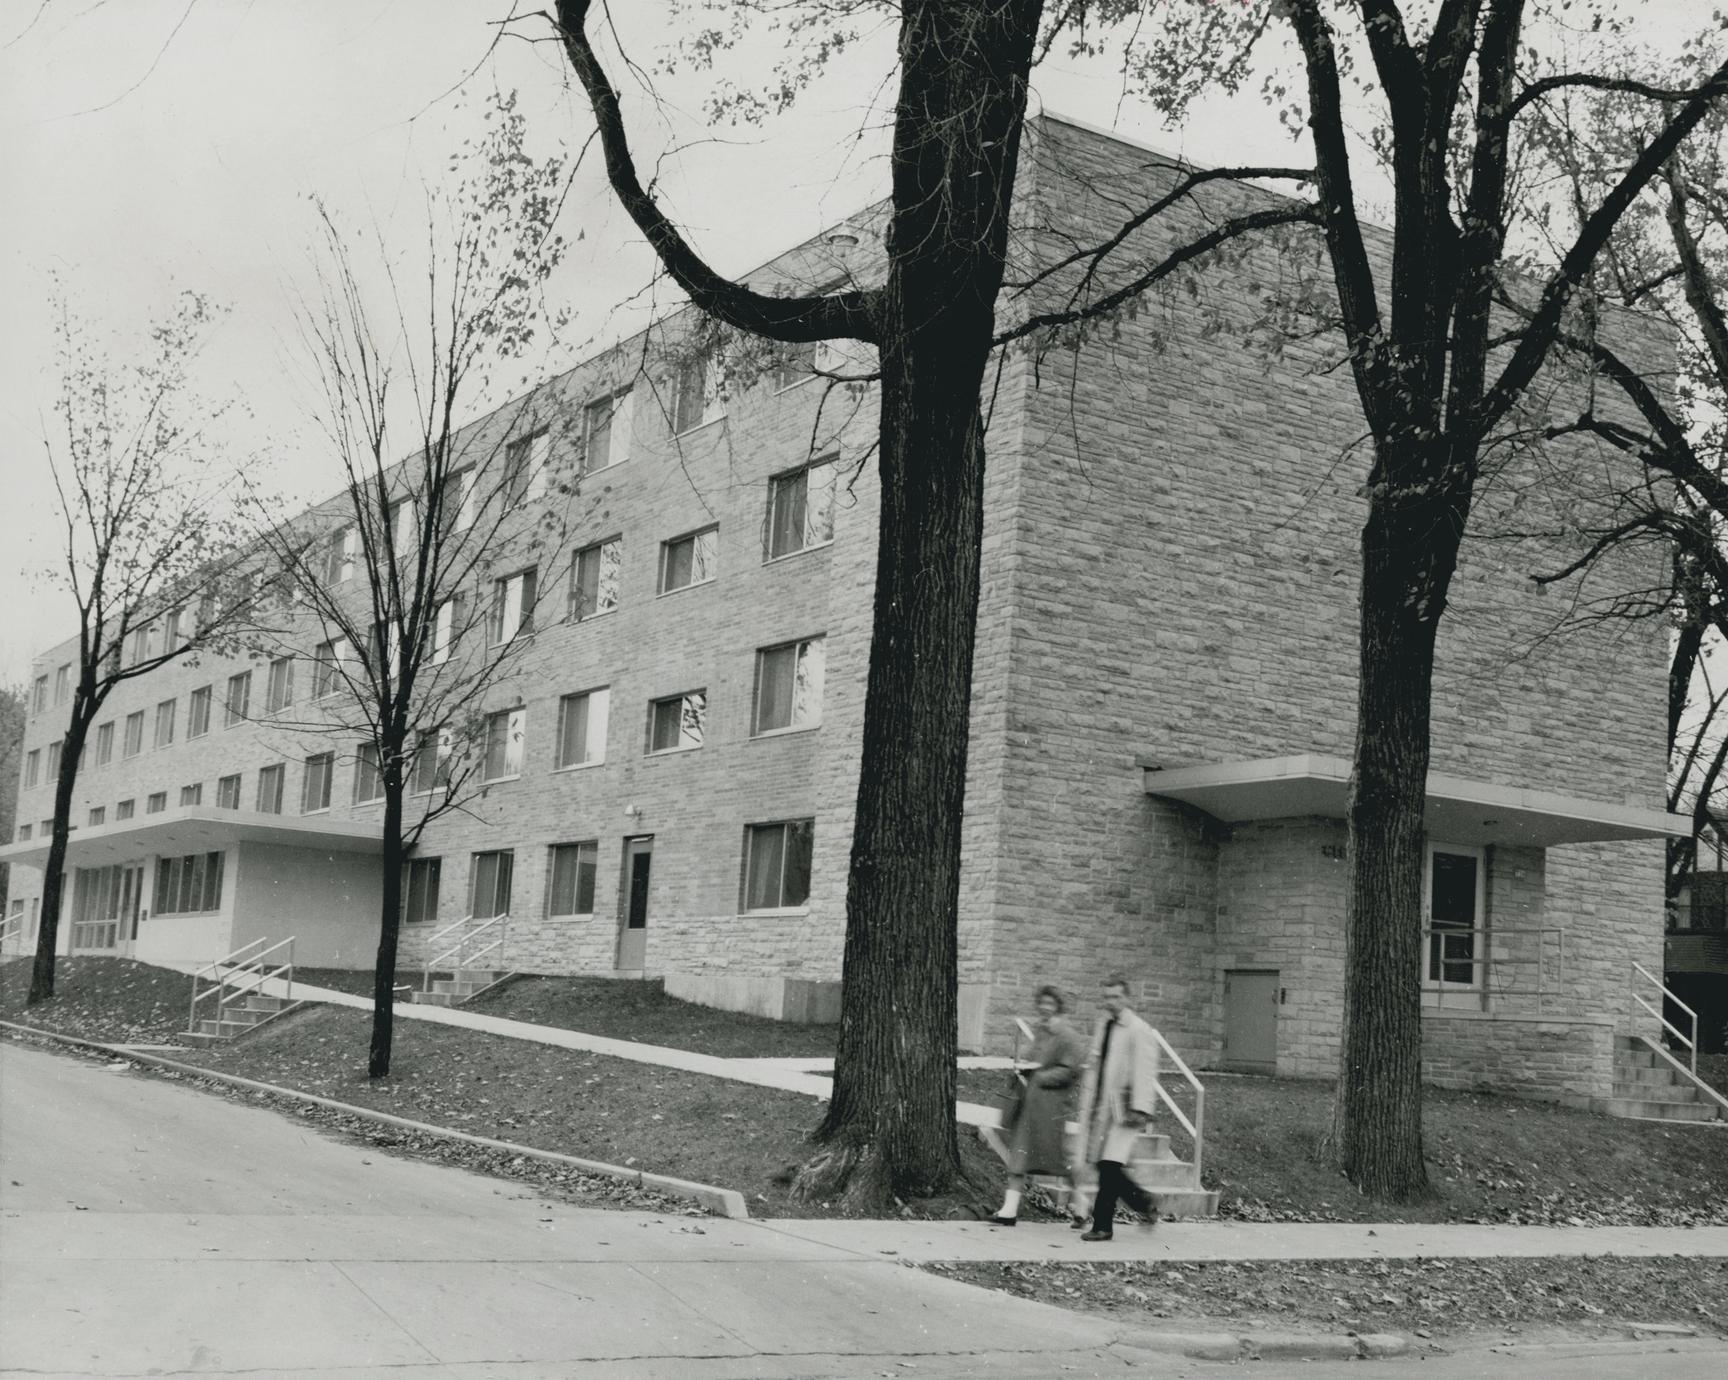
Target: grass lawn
{"points": [[640, 1010], [1428, 1297], [735, 1135], [111, 999], [1490, 1159]]}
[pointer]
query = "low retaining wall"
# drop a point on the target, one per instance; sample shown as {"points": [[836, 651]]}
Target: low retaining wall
{"points": [[1554, 1059]]}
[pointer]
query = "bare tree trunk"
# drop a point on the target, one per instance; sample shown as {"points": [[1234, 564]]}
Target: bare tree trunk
{"points": [[48, 933], [389, 929], [890, 1126], [1378, 1112]]}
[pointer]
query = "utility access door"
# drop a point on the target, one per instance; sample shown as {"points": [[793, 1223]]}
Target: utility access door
{"points": [[633, 912], [1251, 1020]]}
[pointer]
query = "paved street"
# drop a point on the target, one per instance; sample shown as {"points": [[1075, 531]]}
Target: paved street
{"points": [[149, 1229]]}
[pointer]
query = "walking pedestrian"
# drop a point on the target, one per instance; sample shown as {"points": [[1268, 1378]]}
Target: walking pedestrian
{"points": [[1119, 1092], [1037, 1124]]}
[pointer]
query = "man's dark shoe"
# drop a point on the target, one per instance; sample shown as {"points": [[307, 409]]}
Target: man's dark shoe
{"points": [[1005, 1221], [1099, 1236]]}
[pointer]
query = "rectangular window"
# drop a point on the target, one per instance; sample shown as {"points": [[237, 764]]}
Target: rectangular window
{"points": [[503, 745], [458, 509], [384, 649], [582, 728], [777, 864], [677, 722], [25, 831], [193, 794], [420, 890], [404, 526], [696, 398], [51, 771], [594, 578], [432, 762], [239, 701], [198, 712], [32, 767], [690, 560], [228, 792], [1455, 887], [327, 660], [165, 715], [134, 734], [525, 467], [512, 607], [270, 781], [368, 780], [62, 683], [98, 815], [174, 631], [188, 885], [606, 431], [801, 509], [156, 803], [315, 785], [572, 887], [143, 645], [339, 556], [279, 689], [446, 628], [489, 890], [793, 365], [125, 810], [39, 695], [104, 743], [789, 687]]}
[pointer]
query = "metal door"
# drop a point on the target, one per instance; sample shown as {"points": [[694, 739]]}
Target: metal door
{"points": [[1251, 1020], [633, 913]]}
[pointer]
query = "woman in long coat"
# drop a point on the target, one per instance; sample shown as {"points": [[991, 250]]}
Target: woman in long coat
{"points": [[1037, 1125]]}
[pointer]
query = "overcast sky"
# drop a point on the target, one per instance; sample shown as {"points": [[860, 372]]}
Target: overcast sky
{"points": [[152, 146]]}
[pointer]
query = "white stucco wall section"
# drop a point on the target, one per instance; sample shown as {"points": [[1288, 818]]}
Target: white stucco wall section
{"points": [[327, 902]]}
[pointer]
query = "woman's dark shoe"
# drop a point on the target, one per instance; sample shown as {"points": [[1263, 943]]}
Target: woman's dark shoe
{"points": [[1099, 1236], [1005, 1221], [1079, 1223]]}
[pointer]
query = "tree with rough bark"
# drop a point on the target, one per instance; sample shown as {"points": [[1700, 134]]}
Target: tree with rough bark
{"points": [[409, 601], [148, 523], [1451, 79]]}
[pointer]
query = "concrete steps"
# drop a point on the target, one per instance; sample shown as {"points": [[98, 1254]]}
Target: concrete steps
{"points": [[1174, 1183], [1650, 1086], [457, 988], [237, 1018]]}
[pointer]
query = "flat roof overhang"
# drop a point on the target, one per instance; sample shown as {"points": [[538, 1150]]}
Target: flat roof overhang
{"points": [[199, 829], [1458, 811]]}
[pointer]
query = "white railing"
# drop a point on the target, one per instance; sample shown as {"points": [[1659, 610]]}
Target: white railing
{"points": [[241, 974], [1447, 946], [1665, 994], [12, 927], [458, 956], [1195, 1127]]}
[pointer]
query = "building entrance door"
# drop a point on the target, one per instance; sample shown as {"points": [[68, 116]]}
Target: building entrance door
{"points": [[1251, 1020], [131, 903], [633, 912]]}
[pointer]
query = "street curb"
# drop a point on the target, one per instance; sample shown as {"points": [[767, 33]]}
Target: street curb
{"points": [[723, 1202], [1269, 1346]]}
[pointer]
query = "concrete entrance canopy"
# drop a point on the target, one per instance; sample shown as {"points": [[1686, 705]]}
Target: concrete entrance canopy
{"points": [[1459, 810], [199, 829]]}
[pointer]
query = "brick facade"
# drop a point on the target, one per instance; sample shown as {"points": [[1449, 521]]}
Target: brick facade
{"points": [[1169, 578]]}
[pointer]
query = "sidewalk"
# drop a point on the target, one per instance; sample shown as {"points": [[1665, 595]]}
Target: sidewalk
{"points": [[788, 1075]]}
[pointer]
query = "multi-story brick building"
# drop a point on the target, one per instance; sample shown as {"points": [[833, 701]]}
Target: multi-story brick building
{"points": [[1163, 713]]}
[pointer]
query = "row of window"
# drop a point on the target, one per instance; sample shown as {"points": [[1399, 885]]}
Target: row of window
{"points": [[776, 876]]}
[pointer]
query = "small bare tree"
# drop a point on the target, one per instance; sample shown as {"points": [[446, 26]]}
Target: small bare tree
{"points": [[412, 593], [147, 552]]}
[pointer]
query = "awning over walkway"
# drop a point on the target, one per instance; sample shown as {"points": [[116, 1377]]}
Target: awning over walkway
{"points": [[1459, 810], [199, 829]]}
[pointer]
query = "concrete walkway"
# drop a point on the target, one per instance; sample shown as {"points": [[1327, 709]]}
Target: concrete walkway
{"points": [[788, 1075]]}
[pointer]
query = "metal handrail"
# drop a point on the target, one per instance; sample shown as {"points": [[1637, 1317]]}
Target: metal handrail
{"points": [[11, 925], [1196, 1128], [1689, 1042], [240, 974], [456, 950], [1486, 961]]}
